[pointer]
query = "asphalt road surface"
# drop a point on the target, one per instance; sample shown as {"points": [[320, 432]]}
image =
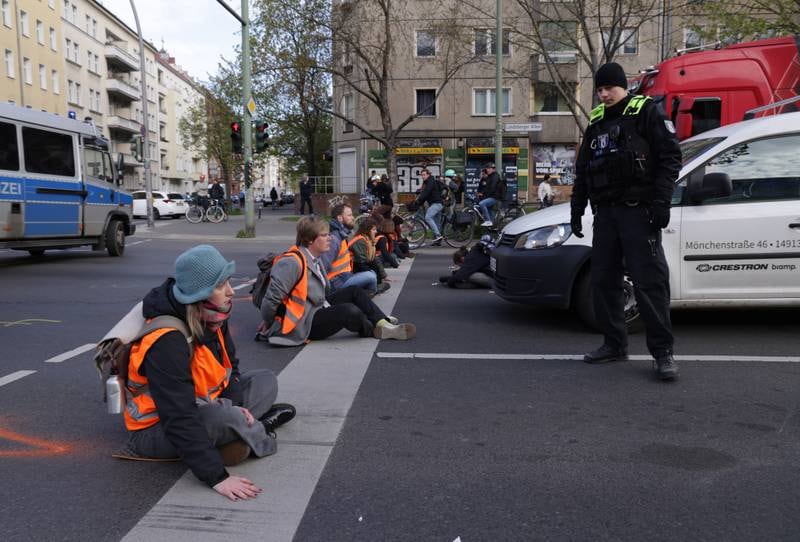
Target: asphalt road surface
{"points": [[486, 426]]}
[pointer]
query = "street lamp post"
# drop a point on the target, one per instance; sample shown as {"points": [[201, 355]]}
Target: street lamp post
{"points": [[498, 90], [148, 179]]}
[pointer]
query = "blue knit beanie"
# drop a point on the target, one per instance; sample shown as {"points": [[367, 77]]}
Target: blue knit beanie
{"points": [[198, 271]]}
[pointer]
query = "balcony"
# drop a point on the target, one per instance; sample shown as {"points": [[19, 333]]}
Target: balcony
{"points": [[120, 60], [122, 90], [122, 124]]}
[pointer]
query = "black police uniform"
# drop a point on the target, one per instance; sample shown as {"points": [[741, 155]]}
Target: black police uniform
{"points": [[627, 166]]}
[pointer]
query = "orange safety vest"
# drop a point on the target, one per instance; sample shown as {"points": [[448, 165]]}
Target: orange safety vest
{"points": [[295, 302], [342, 263], [209, 377], [389, 242]]}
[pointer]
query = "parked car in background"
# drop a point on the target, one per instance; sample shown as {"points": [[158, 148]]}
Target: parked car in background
{"points": [[165, 204], [287, 197]]}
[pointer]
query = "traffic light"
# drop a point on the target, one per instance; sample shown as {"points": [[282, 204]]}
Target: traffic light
{"points": [[262, 137], [327, 156], [137, 148], [236, 137]]}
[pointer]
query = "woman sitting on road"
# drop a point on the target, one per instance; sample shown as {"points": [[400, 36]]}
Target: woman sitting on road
{"points": [[188, 400], [384, 244], [364, 255], [296, 306]]}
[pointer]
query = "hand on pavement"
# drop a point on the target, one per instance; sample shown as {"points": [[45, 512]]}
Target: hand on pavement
{"points": [[248, 417], [236, 487]]}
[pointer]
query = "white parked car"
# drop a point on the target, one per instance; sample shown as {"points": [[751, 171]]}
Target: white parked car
{"points": [[164, 204], [733, 239]]}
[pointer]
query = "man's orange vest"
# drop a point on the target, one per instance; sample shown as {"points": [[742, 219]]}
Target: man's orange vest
{"points": [[342, 263], [209, 377], [295, 302]]}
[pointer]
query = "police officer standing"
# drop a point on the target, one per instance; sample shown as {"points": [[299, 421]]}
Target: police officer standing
{"points": [[627, 166]]}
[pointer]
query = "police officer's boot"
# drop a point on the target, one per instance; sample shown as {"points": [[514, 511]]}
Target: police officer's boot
{"points": [[665, 366], [606, 353]]}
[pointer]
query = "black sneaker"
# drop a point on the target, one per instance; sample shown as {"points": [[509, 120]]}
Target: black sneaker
{"points": [[437, 242], [665, 367], [279, 414], [606, 353], [383, 286]]}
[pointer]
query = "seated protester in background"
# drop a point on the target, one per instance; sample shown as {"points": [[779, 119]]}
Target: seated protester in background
{"points": [[384, 244], [363, 253], [192, 403], [298, 306], [402, 249], [383, 191], [473, 270], [337, 261]]}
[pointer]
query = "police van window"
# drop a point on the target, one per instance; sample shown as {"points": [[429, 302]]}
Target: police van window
{"points": [[706, 113], [49, 153], [109, 172], [9, 150], [93, 160], [762, 170]]}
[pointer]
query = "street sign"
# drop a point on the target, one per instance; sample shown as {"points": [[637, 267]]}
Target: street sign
{"points": [[251, 106], [524, 127]]}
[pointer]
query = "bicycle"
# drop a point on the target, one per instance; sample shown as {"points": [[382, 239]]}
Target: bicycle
{"points": [[501, 217], [455, 234], [214, 214]]}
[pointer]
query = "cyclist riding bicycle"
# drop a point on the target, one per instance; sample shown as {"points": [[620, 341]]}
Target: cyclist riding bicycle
{"points": [[432, 195]]}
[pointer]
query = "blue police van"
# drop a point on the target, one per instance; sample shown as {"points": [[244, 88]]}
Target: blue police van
{"points": [[58, 185]]}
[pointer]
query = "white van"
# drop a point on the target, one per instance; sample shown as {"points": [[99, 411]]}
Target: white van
{"points": [[733, 239], [58, 185]]}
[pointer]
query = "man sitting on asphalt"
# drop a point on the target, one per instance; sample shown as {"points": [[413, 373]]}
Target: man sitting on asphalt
{"points": [[298, 304], [337, 261]]}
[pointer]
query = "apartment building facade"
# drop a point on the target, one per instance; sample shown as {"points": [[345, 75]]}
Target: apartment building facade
{"points": [[456, 131], [76, 58]]}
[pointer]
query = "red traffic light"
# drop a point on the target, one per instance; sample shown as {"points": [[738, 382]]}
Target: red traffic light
{"points": [[235, 127]]}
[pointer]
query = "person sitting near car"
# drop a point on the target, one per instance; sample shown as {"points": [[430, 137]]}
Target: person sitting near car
{"points": [[363, 253], [337, 260], [298, 305], [188, 400], [473, 270], [384, 244]]}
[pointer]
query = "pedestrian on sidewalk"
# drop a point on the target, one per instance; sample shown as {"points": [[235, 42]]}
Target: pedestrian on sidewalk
{"points": [[273, 195], [188, 400], [306, 189], [299, 306]]}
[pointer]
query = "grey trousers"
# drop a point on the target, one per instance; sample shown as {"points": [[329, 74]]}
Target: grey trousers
{"points": [[224, 421]]}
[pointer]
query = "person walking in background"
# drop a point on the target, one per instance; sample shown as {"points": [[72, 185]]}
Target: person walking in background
{"points": [[273, 195], [306, 189], [545, 192]]}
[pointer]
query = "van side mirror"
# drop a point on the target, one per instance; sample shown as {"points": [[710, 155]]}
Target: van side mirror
{"points": [[683, 120], [118, 168], [712, 185]]}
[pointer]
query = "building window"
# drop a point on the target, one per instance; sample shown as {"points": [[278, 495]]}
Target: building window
{"points": [[27, 71], [40, 32], [558, 41], [9, 57], [425, 99], [42, 77], [73, 92], [6, 13], [54, 81], [23, 23], [628, 41], [485, 42], [94, 100], [426, 43], [347, 112], [74, 13], [546, 98], [483, 101], [53, 38]]}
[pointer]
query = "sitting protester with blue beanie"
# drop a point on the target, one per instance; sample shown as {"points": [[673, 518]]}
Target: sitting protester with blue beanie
{"points": [[186, 398]]}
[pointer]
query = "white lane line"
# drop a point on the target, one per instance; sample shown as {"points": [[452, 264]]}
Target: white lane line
{"points": [[14, 376], [682, 357], [139, 242], [71, 354], [245, 285]]}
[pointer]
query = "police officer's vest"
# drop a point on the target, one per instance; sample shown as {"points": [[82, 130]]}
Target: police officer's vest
{"points": [[209, 377], [342, 263], [618, 162], [294, 303]]}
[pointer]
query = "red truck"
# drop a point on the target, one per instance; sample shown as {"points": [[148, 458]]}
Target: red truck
{"points": [[706, 89]]}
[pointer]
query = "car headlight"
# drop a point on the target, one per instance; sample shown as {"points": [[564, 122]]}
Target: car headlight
{"points": [[547, 237]]}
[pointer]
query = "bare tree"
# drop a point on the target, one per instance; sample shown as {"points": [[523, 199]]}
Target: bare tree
{"points": [[739, 20]]}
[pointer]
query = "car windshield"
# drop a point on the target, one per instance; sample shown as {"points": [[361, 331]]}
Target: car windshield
{"points": [[175, 196], [690, 149]]}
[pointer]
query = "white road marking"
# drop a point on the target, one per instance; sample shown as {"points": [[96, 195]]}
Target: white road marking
{"points": [[545, 357], [14, 376], [139, 242], [71, 354]]}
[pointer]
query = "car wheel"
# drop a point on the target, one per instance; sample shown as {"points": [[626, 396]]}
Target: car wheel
{"points": [[115, 238], [583, 303], [156, 214]]}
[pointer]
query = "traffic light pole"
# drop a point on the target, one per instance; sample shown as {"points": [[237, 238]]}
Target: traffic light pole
{"points": [[148, 177], [498, 91], [247, 119]]}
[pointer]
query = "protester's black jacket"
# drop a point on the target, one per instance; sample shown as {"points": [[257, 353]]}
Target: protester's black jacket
{"points": [[383, 191], [216, 192], [167, 367], [476, 261], [492, 182]]}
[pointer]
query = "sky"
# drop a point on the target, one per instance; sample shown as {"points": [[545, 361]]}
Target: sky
{"points": [[196, 32]]}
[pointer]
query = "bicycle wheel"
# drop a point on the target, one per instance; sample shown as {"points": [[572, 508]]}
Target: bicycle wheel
{"points": [[457, 237], [194, 214], [215, 214], [415, 230]]}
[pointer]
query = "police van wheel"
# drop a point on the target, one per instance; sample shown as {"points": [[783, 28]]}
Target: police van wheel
{"points": [[115, 238], [583, 304]]}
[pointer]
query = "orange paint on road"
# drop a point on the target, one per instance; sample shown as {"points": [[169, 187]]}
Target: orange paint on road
{"points": [[36, 447]]}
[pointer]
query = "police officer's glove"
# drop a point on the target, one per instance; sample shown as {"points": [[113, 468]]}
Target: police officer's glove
{"points": [[577, 224], [659, 216]]}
